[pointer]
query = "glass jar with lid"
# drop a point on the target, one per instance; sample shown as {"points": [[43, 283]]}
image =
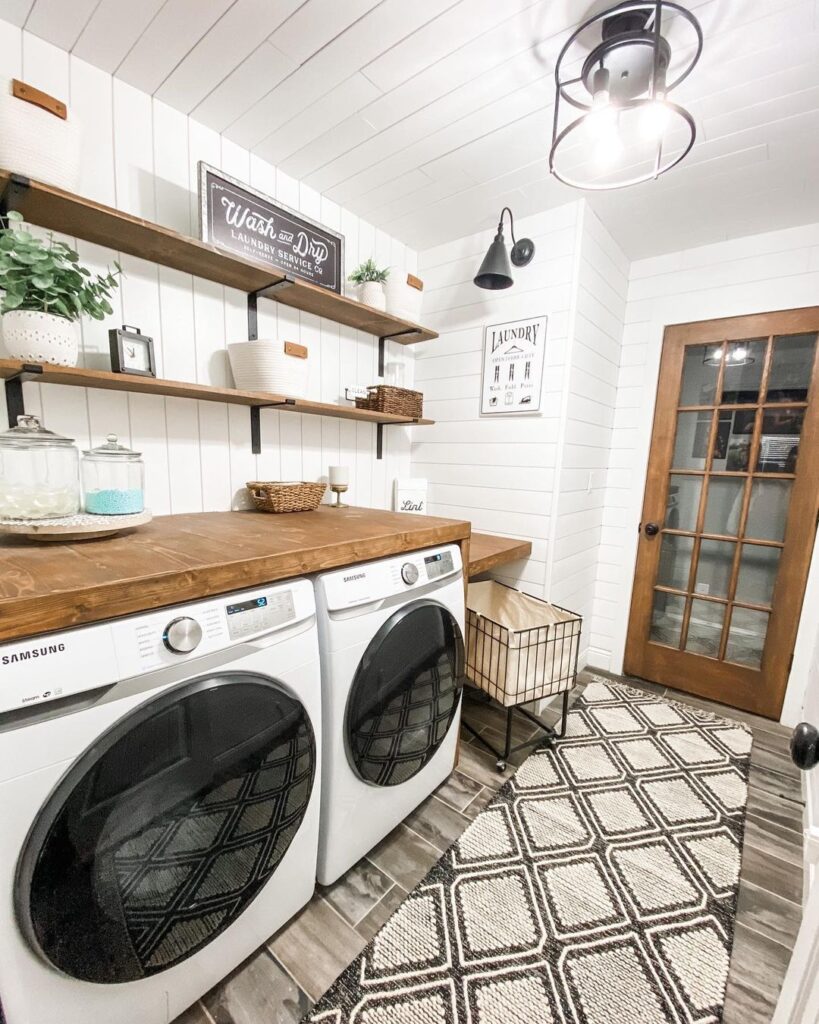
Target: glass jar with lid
{"points": [[39, 476], [113, 479]]}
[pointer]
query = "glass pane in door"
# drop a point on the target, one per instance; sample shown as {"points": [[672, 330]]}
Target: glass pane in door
{"points": [[714, 567], [744, 363], [683, 502], [746, 637], [691, 444], [705, 628], [768, 511], [779, 444], [675, 561], [700, 374], [758, 566], [724, 505], [791, 368], [667, 618]]}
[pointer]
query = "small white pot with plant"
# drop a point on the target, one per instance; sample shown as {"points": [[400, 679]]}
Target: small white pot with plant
{"points": [[369, 282], [47, 291]]}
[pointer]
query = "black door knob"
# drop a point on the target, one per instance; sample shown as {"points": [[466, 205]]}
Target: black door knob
{"points": [[651, 529], [805, 746]]}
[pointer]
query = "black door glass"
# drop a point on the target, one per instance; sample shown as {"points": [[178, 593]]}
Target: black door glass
{"points": [[163, 832], [405, 694]]}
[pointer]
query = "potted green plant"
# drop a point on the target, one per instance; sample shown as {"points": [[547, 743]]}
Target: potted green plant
{"points": [[47, 291], [369, 281]]}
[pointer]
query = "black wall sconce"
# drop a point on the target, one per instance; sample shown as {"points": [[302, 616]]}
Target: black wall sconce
{"points": [[495, 271]]}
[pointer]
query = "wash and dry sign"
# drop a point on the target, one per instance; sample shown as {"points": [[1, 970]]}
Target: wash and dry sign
{"points": [[241, 220], [512, 377]]}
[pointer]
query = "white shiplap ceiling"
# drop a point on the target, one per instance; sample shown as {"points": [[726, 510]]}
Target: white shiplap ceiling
{"points": [[427, 116]]}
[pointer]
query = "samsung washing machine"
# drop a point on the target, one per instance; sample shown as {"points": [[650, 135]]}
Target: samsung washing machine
{"points": [[159, 785], [392, 655]]}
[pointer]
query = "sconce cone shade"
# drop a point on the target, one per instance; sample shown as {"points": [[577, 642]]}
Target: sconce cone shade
{"points": [[495, 272]]}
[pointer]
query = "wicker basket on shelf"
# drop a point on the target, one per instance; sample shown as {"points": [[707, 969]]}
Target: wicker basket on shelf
{"points": [[392, 400], [296, 496]]}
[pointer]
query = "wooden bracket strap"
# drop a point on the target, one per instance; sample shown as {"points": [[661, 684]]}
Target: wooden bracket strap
{"points": [[23, 91]]}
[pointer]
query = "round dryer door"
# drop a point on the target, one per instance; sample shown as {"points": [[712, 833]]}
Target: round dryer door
{"points": [[405, 694], [166, 829]]}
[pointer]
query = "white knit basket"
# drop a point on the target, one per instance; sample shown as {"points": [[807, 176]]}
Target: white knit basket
{"points": [[40, 337], [37, 144], [403, 300], [265, 366]]}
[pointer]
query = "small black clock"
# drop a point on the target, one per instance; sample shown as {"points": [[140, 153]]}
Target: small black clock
{"points": [[132, 352]]}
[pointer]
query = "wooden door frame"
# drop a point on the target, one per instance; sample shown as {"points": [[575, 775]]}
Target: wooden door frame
{"points": [[702, 674]]}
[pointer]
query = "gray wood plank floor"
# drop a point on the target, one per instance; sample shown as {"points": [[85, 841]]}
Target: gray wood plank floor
{"points": [[280, 981]]}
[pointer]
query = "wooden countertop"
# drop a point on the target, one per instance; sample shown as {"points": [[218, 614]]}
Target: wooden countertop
{"points": [[46, 587], [487, 551]]}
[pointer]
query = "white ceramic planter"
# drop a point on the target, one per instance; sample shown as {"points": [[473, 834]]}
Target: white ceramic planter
{"points": [[371, 293], [37, 144], [41, 337], [265, 366], [403, 300]]}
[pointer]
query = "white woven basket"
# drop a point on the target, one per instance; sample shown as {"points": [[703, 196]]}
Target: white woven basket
{"points": [[37, 144]]}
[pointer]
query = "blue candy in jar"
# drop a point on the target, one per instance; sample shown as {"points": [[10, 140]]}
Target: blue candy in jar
{"points": [[113, 480]]}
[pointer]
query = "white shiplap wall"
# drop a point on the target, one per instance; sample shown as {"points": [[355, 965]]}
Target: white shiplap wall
{"points": [[755, 274], [542, 478], [589, 397], [498, 472], [140, 156]]}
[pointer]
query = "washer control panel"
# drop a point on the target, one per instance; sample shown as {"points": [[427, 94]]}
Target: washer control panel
{"points": [[246, 618], [47, 668], [439, 564], [374, 581]]}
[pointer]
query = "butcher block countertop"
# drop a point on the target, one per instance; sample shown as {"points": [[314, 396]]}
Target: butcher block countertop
{"points": [[47, 587]]}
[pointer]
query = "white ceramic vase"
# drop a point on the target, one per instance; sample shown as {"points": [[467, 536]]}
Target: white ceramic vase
{"points": [[37, 144], [41, 337], [371, 293]]}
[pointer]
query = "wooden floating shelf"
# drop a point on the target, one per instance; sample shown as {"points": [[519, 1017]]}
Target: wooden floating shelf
{"points": [[78, 217], [48, 373]]}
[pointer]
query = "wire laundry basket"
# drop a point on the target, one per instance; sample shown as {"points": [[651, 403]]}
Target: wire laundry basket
{"points": [[513, 662]]}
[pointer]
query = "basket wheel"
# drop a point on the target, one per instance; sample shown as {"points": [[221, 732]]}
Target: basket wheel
{"points": [[500, 766]]}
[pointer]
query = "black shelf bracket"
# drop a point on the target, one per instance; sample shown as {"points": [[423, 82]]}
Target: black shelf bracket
{"points": [[14, 390], [13, 193], [268, 292], [390, 337], [256, 422]]}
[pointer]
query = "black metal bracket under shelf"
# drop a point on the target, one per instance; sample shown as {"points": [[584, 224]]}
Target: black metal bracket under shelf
{"points": [[14, 390], [548, 733], [16, 187]]}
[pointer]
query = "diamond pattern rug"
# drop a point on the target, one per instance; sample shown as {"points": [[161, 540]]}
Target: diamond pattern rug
{"points": [[598, 887]]}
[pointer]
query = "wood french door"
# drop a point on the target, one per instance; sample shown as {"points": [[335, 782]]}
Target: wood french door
{"points": [[730, 508]]}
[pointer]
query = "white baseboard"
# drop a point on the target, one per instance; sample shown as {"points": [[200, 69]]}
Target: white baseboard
{"points": [[596, 657]]}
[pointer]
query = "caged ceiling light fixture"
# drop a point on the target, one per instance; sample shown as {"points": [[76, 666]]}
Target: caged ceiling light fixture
{"points": [[618, 69]]}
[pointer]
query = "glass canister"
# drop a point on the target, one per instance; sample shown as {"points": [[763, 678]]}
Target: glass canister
{"points": [[113, 479], [39, 476]]}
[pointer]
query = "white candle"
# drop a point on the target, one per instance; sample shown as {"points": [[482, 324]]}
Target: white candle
{"points": [[339, 475]]}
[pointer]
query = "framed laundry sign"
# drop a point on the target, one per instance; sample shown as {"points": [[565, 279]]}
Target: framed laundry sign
{"points": [[512, 373], [240, 219]]}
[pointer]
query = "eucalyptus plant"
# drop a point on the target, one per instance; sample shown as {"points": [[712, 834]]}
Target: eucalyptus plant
{"points": [[368, 271], [46, 276]]}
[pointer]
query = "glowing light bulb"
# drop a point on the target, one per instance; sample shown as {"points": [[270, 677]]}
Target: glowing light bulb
{"points": [[740, 354], [654, 119]]}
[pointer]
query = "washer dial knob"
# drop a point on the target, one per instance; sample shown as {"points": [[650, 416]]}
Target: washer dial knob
{"points": [[182, 635], [409, 573]]}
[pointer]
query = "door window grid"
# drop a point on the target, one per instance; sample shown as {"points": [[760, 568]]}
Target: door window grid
{"points": [[754, 412]]}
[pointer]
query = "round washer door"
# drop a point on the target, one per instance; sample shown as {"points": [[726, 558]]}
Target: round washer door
{"points": [[167, 828], [404, 696]]}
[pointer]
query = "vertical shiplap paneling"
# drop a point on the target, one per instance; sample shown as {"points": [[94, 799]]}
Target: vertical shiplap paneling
{"points": [[141, 156]]}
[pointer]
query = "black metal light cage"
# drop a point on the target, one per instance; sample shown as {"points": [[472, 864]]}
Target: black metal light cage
{"points": [[563, 86]]}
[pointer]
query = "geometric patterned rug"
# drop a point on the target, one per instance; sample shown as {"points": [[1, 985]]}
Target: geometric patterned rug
{"points": [[598, 887]]}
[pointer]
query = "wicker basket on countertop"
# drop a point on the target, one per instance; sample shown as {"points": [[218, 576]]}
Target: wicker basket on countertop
{"points": [[393, 400], [295, 496]]}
